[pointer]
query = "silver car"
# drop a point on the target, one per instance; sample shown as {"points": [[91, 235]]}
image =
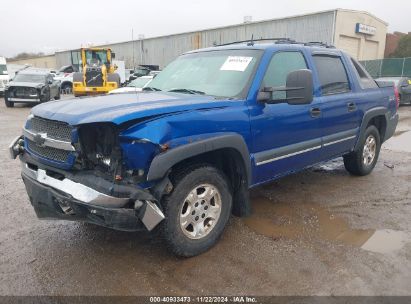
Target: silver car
{"points": [[403, 85]]}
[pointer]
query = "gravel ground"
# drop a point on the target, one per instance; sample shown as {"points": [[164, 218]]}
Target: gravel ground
{"points": [[318, 232]]}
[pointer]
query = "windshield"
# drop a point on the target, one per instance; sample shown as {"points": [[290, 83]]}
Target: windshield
{"points": [[30, 78], [3, 69], [143, 72], [218, 73], [139, 82], [96, 57]]}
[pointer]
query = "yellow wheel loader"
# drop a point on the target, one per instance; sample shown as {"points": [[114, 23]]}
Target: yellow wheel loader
{"points": [[97, 74]]}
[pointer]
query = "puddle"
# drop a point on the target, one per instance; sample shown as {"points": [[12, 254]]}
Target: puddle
{"points": [[332, 165], [312, 221]]}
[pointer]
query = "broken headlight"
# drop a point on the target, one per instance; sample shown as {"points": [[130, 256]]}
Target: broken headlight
{"points": [[100, 148]]}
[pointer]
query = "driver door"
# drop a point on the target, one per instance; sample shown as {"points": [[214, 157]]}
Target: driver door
{"points": [[286, 137]]}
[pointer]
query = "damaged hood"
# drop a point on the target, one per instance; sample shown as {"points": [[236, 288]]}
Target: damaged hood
{"points": [[120, 108], [26, 84]]}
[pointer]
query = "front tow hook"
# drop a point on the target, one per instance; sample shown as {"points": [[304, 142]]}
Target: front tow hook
{"points": [[16, 147]]}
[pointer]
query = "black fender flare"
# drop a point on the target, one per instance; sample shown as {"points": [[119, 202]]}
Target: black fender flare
{"points": [[163, 162], [368, 115], [66, 82]]}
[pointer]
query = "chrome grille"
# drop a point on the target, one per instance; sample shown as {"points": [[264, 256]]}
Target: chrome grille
{"points": [[48, 152], [54, 129], [25, 92]]}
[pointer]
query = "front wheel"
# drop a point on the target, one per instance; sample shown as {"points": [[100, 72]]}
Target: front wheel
{"points": [[45, 97], [363, 161], [9, 104], [197, 210]]}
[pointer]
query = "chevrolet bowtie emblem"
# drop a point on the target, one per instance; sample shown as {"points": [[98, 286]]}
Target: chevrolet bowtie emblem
{"points": [[40, 139]]}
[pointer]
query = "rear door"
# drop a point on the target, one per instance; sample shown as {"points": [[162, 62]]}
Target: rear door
{"points": [[339, 108], [286, 138]]}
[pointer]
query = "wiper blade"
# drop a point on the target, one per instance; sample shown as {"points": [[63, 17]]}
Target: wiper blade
{"points": [[190, 91], [151, 89]]}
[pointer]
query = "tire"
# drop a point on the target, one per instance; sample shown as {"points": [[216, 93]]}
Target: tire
{"points": [[46, 97], [9, 104], [66, 87], [182, 239], [114, 77], [362, 161], [77, 77]]}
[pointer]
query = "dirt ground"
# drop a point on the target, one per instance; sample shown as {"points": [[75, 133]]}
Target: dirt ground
{"points": [[318, 232]]}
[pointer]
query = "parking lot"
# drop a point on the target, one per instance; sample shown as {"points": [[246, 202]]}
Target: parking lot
{"points": [[319, 232]]}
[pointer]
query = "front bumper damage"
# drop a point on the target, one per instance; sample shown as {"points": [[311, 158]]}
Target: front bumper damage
{"points": [[56, 194]]}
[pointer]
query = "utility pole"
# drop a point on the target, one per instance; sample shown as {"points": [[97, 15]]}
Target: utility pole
{"points": [[132, 44], [141, 38]]}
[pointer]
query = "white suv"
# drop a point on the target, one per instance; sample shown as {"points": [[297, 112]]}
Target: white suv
{"points": [[4, 75]]}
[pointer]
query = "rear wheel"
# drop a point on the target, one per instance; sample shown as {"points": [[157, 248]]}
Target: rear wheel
{"points": [[77, 77], [197, 210], [66, 88], [363, 161], [114, 77]]}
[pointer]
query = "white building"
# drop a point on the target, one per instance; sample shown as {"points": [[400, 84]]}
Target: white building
{"points": [[359, 33]]}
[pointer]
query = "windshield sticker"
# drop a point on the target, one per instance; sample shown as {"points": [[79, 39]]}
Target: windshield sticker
{"points": [[236, 63]]}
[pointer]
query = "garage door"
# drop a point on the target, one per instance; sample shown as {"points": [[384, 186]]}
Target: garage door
{"points": [[370, 50], [349, 44]]}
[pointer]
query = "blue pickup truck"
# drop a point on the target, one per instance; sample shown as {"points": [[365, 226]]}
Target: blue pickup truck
{"points": [[182, 155]]}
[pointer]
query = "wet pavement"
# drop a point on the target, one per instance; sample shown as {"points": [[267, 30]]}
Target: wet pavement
{"points": [[318, 232]]}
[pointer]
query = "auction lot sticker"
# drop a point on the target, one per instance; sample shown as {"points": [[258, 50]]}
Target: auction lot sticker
{"points": [[236, 63]]}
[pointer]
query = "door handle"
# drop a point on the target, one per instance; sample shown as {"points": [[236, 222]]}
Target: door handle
{"points": [[351, 107], [315, 112]]}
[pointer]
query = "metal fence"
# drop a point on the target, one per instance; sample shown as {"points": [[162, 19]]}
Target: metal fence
{"points": [[390, 67]]}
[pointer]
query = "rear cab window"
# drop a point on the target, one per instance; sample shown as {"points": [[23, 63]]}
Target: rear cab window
{"points": [[332, 75], [364, 79]]}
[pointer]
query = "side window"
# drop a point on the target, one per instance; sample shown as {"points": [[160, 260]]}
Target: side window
{"points": [[332, 74], [280, 66], [365, 80]]}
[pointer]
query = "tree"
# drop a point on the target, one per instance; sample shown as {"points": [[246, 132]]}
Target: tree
{"points": [[25, 55], [404, 47]]}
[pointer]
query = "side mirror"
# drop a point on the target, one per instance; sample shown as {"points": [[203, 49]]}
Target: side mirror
{"points": [[113, 55], [298, 89]]}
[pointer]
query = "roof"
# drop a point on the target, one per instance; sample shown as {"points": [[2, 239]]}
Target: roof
{"points": [[33, 72], [362, 12], [266, 46]]}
